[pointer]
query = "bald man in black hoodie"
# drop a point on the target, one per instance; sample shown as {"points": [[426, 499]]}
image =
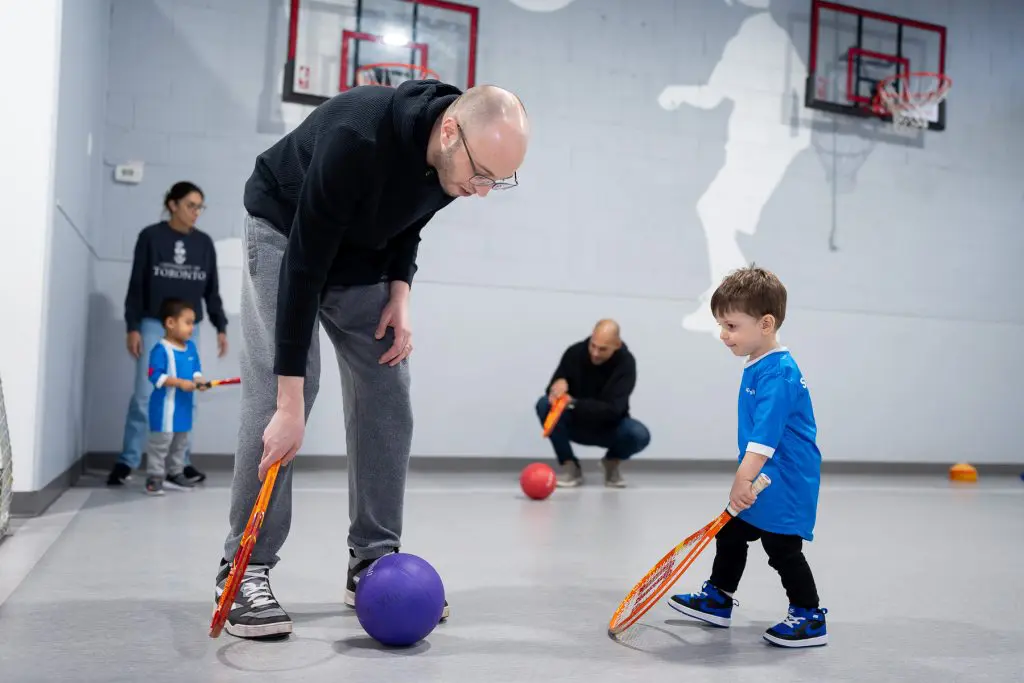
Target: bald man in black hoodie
{"points": [[335, 212]]}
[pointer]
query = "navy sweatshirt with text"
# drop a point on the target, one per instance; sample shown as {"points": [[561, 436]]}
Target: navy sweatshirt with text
{"points": [[351, 189], [173, 265]]}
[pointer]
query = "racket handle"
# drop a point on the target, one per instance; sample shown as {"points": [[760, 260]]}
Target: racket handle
{"points": [[762, 482], [209, 384]]}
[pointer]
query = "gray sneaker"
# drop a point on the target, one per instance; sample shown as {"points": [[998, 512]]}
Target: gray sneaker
{"points": [[255, 612], [179, 481], [572, 475], [612, 476]]}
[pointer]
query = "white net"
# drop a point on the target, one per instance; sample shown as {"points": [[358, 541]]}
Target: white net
{"points": [[392, 74], [6, 469], [913, 99]]}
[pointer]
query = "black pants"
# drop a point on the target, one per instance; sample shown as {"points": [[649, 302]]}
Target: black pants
{"points": [[785, 555]]}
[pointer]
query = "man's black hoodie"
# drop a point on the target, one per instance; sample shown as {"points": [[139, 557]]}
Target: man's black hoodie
{"points": [[351, 189]]}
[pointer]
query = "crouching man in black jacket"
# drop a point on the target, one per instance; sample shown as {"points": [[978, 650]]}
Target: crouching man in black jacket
{"points": [[598, 374]]}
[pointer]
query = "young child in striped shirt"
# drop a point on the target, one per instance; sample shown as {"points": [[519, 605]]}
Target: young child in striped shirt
{"points": [[176, 373]]}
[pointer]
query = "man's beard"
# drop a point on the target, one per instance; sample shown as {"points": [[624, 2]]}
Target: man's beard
{"points": [[445, 163]]}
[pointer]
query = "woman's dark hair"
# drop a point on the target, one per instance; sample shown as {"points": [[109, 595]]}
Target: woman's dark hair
{"points": [[179, 191]]}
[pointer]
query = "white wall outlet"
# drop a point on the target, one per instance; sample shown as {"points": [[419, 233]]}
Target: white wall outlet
{"points": [[130, 172]]}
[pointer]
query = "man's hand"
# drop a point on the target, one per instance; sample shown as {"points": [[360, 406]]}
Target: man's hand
{"points": [[396, 316], [742, 495], [281, 439], [201, 384], [222, 344], [283, 436], [558, 388], [134, 344]]}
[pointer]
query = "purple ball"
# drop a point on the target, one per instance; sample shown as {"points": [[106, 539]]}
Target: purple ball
{"points": [[400, 599]]}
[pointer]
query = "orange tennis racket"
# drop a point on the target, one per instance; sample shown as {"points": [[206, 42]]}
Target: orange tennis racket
{"points": [[218, 382], [662, 576], [241, 561], [557, 408]]}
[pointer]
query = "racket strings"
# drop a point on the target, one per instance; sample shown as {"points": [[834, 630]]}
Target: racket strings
{"points": [[658, 576]]}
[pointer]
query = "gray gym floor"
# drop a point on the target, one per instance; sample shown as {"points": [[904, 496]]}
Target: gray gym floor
{"points": [[922, 579]]}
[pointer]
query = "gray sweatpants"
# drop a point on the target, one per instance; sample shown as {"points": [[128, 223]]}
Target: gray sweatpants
{"points": [[165, 453], [377, 407]]}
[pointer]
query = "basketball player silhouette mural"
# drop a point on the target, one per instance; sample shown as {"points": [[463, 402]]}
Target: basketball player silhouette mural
{"points": [[761, 73]]}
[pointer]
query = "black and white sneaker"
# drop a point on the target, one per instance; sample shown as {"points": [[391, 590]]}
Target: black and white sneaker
{"points": [[356, 570], [119, 474], [255, 612], [194, 475]]}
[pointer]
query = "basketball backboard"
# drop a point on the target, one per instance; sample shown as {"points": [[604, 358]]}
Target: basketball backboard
{"points": [[330, 41], [852, 50]]}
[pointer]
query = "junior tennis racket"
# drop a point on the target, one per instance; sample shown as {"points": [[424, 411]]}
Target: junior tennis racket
{"points": [[662, 576], [557, 408], [218, 382], [241, 561]]}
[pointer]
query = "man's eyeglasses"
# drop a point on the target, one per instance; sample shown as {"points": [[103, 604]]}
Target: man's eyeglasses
{"points": [[479, 179]]}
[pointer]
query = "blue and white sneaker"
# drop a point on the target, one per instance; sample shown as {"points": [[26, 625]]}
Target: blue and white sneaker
{"points": [[802, 627], [709, 605]]}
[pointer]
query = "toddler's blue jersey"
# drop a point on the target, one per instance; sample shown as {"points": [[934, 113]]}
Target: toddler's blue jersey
{"points": [[776, 420], [170, 409]]}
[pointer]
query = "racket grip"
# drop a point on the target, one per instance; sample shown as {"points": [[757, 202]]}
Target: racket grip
{"points": [[759, 484], [762, 482]]}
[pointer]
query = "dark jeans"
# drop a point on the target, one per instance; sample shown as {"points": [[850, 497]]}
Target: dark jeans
{"points": [[785, 555], [623, 440]]}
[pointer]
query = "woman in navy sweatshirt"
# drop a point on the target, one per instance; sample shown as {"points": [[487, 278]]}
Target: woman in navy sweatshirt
{"points": [[173, 259]]}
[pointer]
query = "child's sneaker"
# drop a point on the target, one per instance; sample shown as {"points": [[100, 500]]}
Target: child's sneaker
{"points": [[356, 571], [180, 482], [154, 486], [255, 612], [802, 627], [709, 605]]}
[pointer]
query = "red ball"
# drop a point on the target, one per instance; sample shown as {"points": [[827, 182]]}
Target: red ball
{"points": [[537, 480]]}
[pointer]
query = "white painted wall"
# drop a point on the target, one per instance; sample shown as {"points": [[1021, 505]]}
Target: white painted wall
{"points": [[78, 175], [28, 119], [666, 151]]}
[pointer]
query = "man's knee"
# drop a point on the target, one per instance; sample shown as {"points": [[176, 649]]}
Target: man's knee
{"points": [[634, 435], [543, 408]]}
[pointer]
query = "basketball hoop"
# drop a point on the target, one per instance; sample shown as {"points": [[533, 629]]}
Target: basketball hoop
{"points": [[912, 98], [392, 74]]}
